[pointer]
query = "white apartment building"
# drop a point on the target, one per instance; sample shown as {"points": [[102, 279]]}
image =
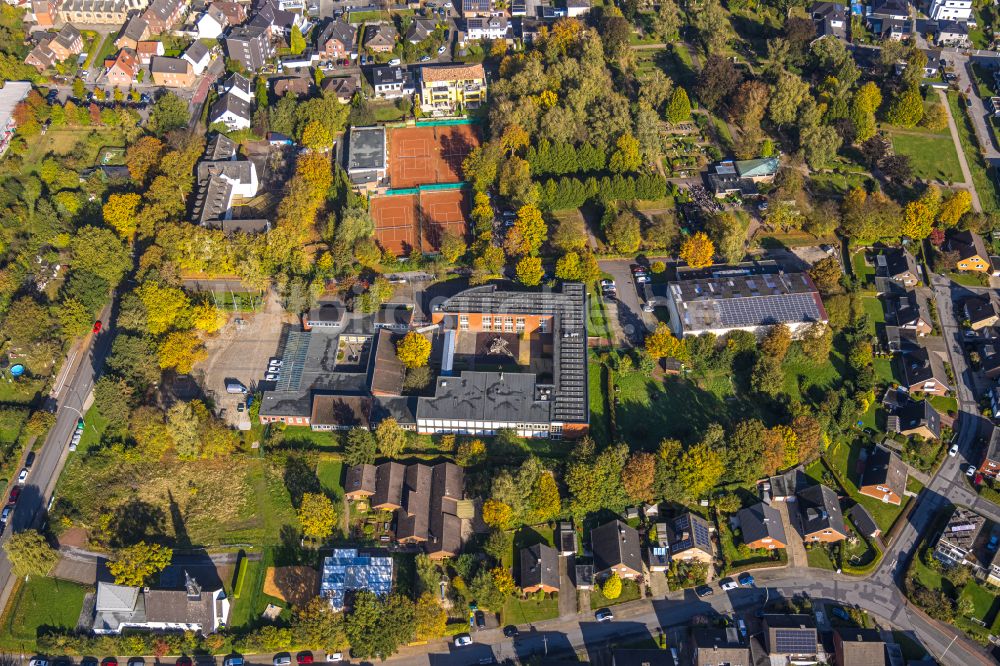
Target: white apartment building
{"points": [[950, 10]]}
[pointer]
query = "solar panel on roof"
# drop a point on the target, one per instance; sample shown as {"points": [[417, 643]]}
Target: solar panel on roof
{"points": [[795, 641], [700, 533]]}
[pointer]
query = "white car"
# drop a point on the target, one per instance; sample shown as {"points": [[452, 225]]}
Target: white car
{"points": [[335, 656], [282, 660], [729, 584], [38, 661], [442, 49], [953, 451], [646, 307], [23, 475], [604, 615], [462, 640], [395, 62], [970, 471]]}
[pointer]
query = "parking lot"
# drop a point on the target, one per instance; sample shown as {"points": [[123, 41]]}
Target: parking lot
{"points": [[241, 352]]}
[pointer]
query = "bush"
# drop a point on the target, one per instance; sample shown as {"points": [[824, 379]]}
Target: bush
{"points": [[612, 588]]}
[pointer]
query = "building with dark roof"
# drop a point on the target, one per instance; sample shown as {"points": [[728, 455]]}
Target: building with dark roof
{"points": [[858, 647], [340, 412], [884, 477], [990, 466], [360, 482], [231, 111], [910, 417], [712, 646], [566, 536], [337, 39], [905, 310], [476, 7], [366, 156], [818, 516], [348, 570], [419, 30], [734, 299], [223, 182], [923, 371], [380, 37], [391, 81], [959, 540], [583, 576], [553, 404], [761, 527], [172, 72], [327, 315], [864, 522], [539, 569], [980, 312], [161, 15], [191, 608], [250, 45], [972, 254], [690, 539], [792, 636], [898, 265], [388, 372], [135, 30], [616, 549], [342, 87], [784, 487], [830, 19]]}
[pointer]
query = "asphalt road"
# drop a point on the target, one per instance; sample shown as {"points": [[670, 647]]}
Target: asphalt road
{"points": [[49, 461]]}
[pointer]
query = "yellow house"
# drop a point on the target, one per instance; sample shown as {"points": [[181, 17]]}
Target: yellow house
{"points": [[972, 253], [443, 89]]}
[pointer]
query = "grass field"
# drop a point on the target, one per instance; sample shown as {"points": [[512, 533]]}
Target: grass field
{"points": [[873, 308], [843, 457], [932, 156], [819, 558], [329, 471], [630, 592], [529, 611], [985, 180], [40, 602], [377, 15]]}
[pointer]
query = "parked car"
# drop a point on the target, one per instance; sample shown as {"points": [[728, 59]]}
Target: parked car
{"points": [[604, 615], [703, 591], [5, 514], [424, 58], [953, 451], [184, 661], [395, 62], [304, 658], [23, 476], [729, 584], [233, 660], [510, 631], [271, 377], [442, 49], [15, 492], [97, 326], [38, 661], [480, 619], [30, 460], [646, 307], [283, 659], [136, 661], [746, 579], [462, 640], [334, 657], [970, 471]]}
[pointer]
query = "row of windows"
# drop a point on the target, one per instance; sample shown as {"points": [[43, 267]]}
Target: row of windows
{"points": [[491, 425], [494, 323]]}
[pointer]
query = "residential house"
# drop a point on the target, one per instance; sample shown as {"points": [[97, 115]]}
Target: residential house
{"points": [[162, 15], [391, 82], [957, 544], [419, 30], [972, 254], [923, 372], [11, 94], [122, 69], [793, 639], [784, 487], [950, 10], [491, 27], [65, 44], [105, 12], [45, 12], [690, 539], [236, 13], [980, 312], [701, 302], [426, 501], [366, 156], [231, 111], [444, 89], [898, 265], [380, 37], [343, 87], [250, 46], [574, 8], [890, 19], [476, 7], [910, 417], [830, 19], [616, 549], [199, 56], [712, 646], [146, 51], [240, 86], [347, 570], [905, 311], [566, 536], [300, 86], [858, 647], [990, 465], [864, 522], [172, 72], [212, 23], [993, 573], [279, 22], [658, 555], [337, 40], [989, 364], [120, 607], [40, 57], [223, 182], [360, 483], [818, 515], [884, 477], [949, 33], [539, 569], [761, 527], [135, 30]]}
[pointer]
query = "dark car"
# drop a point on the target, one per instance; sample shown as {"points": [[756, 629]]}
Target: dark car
{"points": [[15, 492], [746, 580], [184, 661], [480, 619], [703, 591], [30, 460], [510, 631]]}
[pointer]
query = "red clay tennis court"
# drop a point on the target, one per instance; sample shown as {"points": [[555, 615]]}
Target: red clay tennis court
{"points": [[396, 222], [442, 212], [427, 155]]}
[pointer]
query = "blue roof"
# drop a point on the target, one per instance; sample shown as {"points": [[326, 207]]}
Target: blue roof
{"points": [[346, 570]]}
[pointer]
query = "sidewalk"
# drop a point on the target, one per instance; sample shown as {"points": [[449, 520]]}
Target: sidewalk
{"points": [[966, 173]]}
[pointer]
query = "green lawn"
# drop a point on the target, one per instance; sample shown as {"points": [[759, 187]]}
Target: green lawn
{"points": [[819, 558], [873, 308], [529, 611], [944, 404], [599, 428], [862, 269], [40, 602], [932, 156], [630, 592], [843, 456], [329, 471], [967, 279], [884, 369], [985, 180], [807, 380]]}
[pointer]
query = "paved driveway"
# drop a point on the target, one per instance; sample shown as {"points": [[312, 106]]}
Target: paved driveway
{"points": [[795, 550], [632, 321]]}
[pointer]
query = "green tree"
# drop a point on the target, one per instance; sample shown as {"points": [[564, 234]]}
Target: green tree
{"points": [[414, 350], [101, 252], [528, 233], [679, 107], [430, 619], [452, 246], [627, 157], [699, 469], [866, 101], [376, 627], [317, 516], [360, 447], [624, 233], [529, 271], [30, 554], [74, 318], [612, 587], [113, 399], [137, 565], [391, 438], [169, 112], [661, 343], [297, 44], [906, 109], [317, 627]]}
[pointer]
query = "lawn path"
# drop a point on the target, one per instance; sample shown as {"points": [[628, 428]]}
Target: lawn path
{"points": [[966, 173]]}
